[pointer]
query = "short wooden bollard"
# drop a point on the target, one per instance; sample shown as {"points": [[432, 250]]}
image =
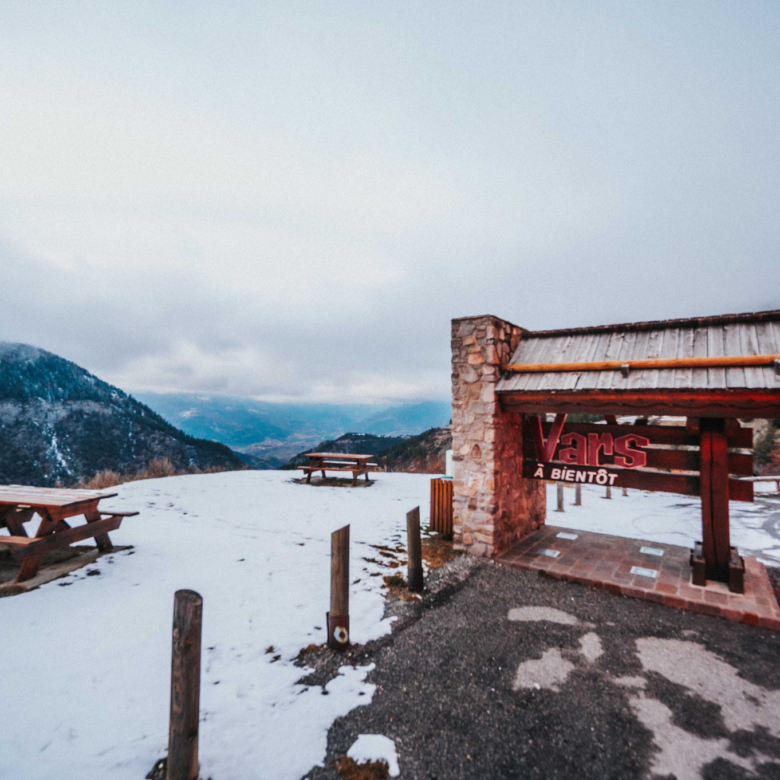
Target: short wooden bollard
{"points": [[559, 486], [338, 617], [578, 495], [414, 550], [185, 686]]}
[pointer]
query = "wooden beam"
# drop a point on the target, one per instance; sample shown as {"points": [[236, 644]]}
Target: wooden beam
{"points": [[685, 484], [658, 434], [684, 403], [639, 365], [675, 460], [185, 686], [338, 617], [715, 501], [23, 547]]}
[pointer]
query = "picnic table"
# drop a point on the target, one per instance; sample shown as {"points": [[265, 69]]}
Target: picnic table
{"points": [[338, 461], [18, 505]]}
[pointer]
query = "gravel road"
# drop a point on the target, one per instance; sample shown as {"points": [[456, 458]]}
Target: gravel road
{"points": [[508, 675]]}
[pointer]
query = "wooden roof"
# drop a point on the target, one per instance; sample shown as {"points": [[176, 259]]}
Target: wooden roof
{"points": [[728, 335]]}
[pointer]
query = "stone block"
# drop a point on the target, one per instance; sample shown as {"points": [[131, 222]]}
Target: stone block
{"points": [[468, 374], [475, 359], [491, 355]]}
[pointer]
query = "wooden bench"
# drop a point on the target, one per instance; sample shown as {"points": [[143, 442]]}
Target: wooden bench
{"points": [[18, 505], [336, 461]]}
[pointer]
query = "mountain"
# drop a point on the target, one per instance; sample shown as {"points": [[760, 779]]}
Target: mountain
{"points": [[278, 431], [59, 423], [364, 443], [423, 454], [408, 419]]}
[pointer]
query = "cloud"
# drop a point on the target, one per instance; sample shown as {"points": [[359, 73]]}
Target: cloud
{"points": [[293, 203]]}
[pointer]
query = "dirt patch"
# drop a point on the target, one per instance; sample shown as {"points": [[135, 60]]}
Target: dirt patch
{"points": [[9, 566], [310, 650], [437, 551], [349, 769], [398, 587]]}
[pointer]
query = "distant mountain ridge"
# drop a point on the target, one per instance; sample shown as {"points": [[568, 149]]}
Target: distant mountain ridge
{"points": [[421, 454], [275, 432], [60, 424], [363, 443]]}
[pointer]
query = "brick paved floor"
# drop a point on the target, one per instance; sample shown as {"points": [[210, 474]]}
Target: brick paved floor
{"points": [[620, 566]]}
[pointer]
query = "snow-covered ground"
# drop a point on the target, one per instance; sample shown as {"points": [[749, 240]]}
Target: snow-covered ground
{"points": [[86, 660], [669, 518], [85, 686]]}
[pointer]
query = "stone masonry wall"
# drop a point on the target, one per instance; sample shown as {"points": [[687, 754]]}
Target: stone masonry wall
{"points": [[494, 507]]}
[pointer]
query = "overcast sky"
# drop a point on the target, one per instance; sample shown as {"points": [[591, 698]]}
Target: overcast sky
{"points": [[291, 200]]}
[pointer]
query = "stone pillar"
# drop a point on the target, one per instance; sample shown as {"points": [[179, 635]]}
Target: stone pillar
{"points": [[494, 507]]}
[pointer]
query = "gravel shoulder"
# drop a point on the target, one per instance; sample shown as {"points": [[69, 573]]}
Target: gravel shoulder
{"points": [[500, 673]]}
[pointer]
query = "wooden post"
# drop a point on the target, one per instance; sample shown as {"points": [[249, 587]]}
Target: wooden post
{"points": [[414, 550], [338, 617], [625, 491], [559, 489], [185, 687], [578, 495], [716, 544], [608, 494]]}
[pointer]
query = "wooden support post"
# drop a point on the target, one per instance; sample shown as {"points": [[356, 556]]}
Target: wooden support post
{"points": [[559, 489], [578, 495], [716, 546], [608, 493], [338, 617], [102, 541], [185, 687], [625, 491], [414, 550]]}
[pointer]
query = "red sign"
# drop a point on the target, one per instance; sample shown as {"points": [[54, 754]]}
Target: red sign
{"points": [[648, 456]]}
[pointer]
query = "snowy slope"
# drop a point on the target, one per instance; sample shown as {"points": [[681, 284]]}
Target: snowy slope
{"points": [[86, 667], [88, 696]]}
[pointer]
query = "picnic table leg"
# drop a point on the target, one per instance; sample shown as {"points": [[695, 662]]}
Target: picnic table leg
{"points": [[355, 475], [15, 521], [32, 563], [29, 568], [102, 541]]}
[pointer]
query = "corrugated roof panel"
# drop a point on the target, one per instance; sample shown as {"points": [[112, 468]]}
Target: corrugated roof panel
{"points": [[665, 377], [683, 376], [731, 335], [735, 377], [640, 350], [748, 340]]}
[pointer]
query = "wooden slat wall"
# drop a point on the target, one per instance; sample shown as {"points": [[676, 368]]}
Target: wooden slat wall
{"points": [[441, 506]]}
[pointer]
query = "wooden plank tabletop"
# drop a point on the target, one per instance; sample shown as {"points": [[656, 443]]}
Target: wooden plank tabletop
{"points": [[338, 456], [54, 497]]}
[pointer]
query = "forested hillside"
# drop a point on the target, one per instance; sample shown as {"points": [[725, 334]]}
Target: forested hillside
{"points": [[61, 424]]}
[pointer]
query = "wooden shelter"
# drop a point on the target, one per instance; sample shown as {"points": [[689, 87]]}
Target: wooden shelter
{"points": [[712, 371]]}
